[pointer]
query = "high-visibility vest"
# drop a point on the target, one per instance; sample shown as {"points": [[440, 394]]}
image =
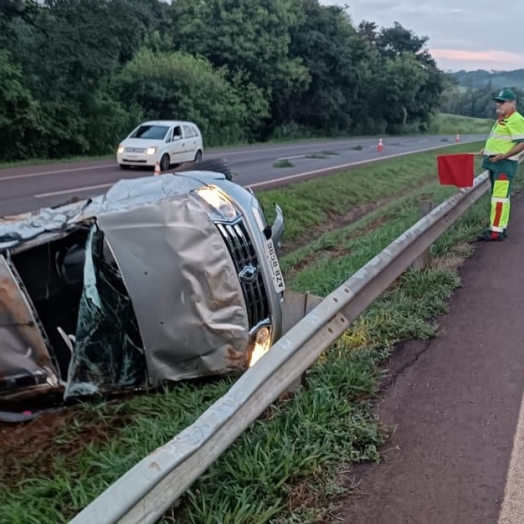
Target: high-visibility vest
{"points": [[504, 135]]}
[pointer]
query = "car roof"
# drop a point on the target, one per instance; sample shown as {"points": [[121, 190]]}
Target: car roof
{"points": [[167, 123]]}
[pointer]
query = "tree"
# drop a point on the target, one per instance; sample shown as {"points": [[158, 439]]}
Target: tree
{"points": [[248, 37], [336, 59], [180, 86], [20, 115]]}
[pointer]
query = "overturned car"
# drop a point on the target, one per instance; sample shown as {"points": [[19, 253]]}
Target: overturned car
{"points": [[160, 279]]}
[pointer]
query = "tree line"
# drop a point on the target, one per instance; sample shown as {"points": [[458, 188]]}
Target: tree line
{"points": [[471, 101], [76, 76]]}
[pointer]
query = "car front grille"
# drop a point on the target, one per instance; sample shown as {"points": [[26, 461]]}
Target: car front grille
{"points": [[134, 150], [248, 268]]}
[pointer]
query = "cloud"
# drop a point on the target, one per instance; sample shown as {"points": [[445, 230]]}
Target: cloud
{"points": [[465, 59], [453, 25]]}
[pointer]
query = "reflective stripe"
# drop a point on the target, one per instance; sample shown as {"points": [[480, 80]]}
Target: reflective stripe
{"points": [[501, 200], [504, 138], [497, 229]]}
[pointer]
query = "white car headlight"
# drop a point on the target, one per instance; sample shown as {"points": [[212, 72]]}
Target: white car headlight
{"points": [[219, 201], [151, 151], [120, 149], [262, 345]]}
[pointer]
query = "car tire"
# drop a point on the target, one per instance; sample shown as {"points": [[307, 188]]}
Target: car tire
{"points": [[125, 167], [198, 157], [165, 162], [216, 165]]}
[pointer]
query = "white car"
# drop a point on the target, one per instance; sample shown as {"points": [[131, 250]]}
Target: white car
{"points": [[164, 141]]}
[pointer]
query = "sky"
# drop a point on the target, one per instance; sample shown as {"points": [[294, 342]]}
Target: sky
{"points": [[463, 34]]}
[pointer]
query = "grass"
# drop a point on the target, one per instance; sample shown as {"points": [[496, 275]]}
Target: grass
{"points": [[448, 124], [282, 163], [311, 204], [288, 467]]}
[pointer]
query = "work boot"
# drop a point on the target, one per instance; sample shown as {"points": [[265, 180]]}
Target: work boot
{"points": [[491, 236]]}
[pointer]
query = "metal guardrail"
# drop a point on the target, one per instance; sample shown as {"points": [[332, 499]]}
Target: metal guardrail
{"points": [[146, 491]]}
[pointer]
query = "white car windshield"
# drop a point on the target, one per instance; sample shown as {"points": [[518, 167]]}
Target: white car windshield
{"points": [[150, 132]]}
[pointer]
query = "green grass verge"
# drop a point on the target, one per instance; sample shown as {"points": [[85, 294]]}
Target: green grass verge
{"points": [[282, 163], [286, 468], [313, 203], [445, 123]]}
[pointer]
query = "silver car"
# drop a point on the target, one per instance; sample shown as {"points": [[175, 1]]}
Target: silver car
{"points": [[161, 279]]}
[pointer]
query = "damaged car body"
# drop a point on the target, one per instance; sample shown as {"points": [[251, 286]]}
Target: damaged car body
{"points": [[161, 279]]}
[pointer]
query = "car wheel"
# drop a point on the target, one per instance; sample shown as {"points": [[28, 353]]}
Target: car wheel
{"points": [[198, 156], [125, 167], [217, 165], [165, 162]]}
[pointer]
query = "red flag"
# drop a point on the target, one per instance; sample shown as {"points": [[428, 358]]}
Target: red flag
{"points": [[456, 170]]}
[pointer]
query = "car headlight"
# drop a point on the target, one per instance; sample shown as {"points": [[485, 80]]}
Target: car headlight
{"points": [[120, 149], [151, 151], [262, 345], [218, 201]]}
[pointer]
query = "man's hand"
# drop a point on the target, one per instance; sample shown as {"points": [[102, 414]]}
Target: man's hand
{"points": [[497, 158]]}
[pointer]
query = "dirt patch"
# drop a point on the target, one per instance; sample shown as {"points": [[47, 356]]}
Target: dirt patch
{"points": [[450, 406], [333, 223], [29, 449], [338, 221]]}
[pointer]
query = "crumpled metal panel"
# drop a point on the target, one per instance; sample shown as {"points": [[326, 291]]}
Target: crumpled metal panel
{"points": [[107, 353], [169, 307], [24, 358], [19, 229], [185, 292], [124, 194]]}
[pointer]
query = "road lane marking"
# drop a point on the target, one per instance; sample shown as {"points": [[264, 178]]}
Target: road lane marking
{"points": [[65, 191], [512, 509], [105, 166], [261, 184], [218, 154]]}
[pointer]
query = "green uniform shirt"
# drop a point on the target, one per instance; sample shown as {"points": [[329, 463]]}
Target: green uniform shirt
{"points": [[506, 132]]}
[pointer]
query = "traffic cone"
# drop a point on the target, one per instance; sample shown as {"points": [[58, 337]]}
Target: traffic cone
{"points": [[457, 139], [380, 146], [157, 169]]}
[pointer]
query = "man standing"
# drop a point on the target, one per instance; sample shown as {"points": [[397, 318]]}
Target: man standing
{"points": [[501, 155]]}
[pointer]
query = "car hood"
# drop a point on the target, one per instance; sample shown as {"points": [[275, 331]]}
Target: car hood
{"points": [[160, 295], [140, 143], [123, 195]]}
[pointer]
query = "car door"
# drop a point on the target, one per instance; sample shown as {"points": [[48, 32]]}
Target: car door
{"points": [[177, 146], [190, 143]]}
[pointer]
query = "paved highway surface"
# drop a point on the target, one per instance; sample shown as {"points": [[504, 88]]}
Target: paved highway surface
{"points": [[455, 407], [28, 188]]}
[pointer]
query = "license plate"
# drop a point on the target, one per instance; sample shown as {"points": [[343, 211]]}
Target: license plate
{"points": [[276, 272]]}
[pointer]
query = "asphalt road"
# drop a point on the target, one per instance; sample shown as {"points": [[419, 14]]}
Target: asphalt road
{"points": [[454, 406], [28, 188]]}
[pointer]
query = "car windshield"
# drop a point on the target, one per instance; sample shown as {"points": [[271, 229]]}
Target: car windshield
{"points": [[150, 132]]}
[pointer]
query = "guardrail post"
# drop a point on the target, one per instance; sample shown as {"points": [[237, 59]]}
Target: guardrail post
{"points": [[424, 260], [296, 306]]}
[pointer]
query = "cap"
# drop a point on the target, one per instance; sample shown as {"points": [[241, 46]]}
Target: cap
{"points": [[505, 95]]}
